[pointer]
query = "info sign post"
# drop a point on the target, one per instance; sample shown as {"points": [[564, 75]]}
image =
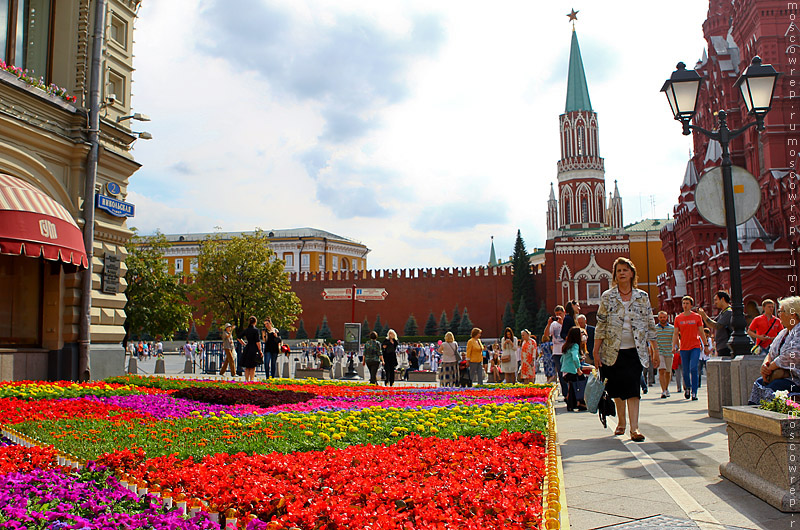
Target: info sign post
{"points": [[355, 294], [352, 336]]}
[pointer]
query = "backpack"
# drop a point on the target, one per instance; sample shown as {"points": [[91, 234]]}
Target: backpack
{"points": [[372, 351]]}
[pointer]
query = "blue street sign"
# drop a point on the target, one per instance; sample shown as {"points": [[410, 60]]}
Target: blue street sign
{"points": [[114, 206]]}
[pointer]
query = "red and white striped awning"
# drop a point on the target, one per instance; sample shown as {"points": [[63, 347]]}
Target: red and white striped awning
{"points": [[34, 225]]}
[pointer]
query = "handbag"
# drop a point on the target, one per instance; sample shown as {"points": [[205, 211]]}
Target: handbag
{"points": [[778, 373], [594, 392], [606, 408], [580, 389]]}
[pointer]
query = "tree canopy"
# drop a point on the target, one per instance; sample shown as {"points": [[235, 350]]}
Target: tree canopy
{"points": [[240, 276], [430, 325], [157, 301], [465, 327], [522, 283], [411, 326]]}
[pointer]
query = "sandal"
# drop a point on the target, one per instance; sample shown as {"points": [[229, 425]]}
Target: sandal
{"points": [[620, 430], [636, 436]]}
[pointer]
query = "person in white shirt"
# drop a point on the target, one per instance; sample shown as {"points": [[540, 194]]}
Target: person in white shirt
{"points": [[552, 331]]}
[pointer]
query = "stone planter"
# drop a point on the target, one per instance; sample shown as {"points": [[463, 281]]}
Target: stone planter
{"points": [[764, 454], [422, 377], [305, 373]]}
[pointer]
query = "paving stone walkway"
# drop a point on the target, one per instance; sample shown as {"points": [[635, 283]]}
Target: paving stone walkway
{"points": [[671, 480]]}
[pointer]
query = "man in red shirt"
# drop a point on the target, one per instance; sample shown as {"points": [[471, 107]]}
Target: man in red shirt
{"points": [[689, 332], [765, 327]]}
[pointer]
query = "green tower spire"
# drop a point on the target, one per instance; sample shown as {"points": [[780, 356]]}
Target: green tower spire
{"points": [[492, 256], [577, 89]]}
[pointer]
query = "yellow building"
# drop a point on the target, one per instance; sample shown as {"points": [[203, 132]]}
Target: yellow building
{"points": [[47, 148], [645, 251], [302, 249]]}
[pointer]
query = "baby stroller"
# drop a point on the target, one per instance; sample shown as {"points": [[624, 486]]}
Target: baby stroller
{"points": [[464, 379]]}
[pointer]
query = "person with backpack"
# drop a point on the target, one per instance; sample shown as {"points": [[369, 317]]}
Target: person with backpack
{"points": [[373, 357]]}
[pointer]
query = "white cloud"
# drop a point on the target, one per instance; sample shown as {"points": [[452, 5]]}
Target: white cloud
{"points": [[418, 128]]}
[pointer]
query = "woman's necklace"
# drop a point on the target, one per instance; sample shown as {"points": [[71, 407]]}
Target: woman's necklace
{"points": [[626, 294]]}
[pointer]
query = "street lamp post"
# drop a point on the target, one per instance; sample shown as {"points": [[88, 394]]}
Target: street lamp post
{"points": [[757, 85]]}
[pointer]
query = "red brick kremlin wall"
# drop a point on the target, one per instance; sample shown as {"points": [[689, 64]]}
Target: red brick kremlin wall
{"points": [[483, 291]]}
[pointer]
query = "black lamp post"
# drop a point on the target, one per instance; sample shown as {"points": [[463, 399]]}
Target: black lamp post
{"points": [[757, 85]]}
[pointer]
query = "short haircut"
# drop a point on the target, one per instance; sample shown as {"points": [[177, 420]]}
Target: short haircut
{"points": [[767, 301], [581, 317], [475, 332], [664, 312], [628, 263], [558, 308], [373, 335], [723, 295], [791, 305], [687, 297]]}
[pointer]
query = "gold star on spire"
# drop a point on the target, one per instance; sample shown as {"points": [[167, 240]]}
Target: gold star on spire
{"points": [[573, 16]]}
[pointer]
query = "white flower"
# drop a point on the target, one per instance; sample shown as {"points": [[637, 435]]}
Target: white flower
{"points": [[782, 395]]}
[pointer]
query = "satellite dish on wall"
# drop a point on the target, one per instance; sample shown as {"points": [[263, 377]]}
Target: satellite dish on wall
{"points": [[710, 201]]}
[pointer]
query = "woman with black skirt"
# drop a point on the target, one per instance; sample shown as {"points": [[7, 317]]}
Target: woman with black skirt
{"points": [[389, 348], [624, 342], [252, 355]]}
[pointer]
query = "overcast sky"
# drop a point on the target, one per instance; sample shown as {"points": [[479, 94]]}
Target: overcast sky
{"points": [[420, 128]]}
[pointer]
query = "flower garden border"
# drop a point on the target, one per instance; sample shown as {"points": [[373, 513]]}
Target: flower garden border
{"points": [[554, 503]]}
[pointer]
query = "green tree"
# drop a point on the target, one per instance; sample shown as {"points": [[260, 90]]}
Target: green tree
{"points": [[522, 283], [541, 320], [284, 334], [465, 327], [378, 326], [508, 317], [365, 330], [523, 319], [411, 327], [444, 325], [193, 335], [324, 330], [316, 333], [455, 322], [240, 277], [157, 301], [214, 332], [385, 330], [301, 334], [430, 325]]}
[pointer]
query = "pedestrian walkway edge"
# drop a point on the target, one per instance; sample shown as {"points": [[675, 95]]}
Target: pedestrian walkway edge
{"points": [[554, 492]]}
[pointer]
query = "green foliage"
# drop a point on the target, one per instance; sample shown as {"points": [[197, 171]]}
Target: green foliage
{"points": [[157, 301], [365, 330], [378, 326], [523, 319], [240, 277], [455, 322], [214, 332], [316, 333], [193, 335], [508, 317], [522, 283], [430, 325], [465, 328], [301, 334], [541, 320], [385, 330], [324, 330], [411, 327], [444, 325]]}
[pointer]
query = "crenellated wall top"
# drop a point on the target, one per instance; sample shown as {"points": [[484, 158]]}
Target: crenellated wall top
{"points": [[392, 274]]}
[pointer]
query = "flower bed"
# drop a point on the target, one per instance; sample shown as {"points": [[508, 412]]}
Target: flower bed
{"points": [[297, 455]]}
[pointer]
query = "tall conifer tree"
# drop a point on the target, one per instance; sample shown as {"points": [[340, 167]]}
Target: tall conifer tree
{"points": [[522, 283]]}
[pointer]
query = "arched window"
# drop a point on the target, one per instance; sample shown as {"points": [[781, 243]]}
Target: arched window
{"points": [[584, 209], [567, 212], [581, 139], [566, 141]]}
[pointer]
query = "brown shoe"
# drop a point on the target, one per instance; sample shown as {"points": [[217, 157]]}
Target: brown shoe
{"points": [[636, 436]]}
